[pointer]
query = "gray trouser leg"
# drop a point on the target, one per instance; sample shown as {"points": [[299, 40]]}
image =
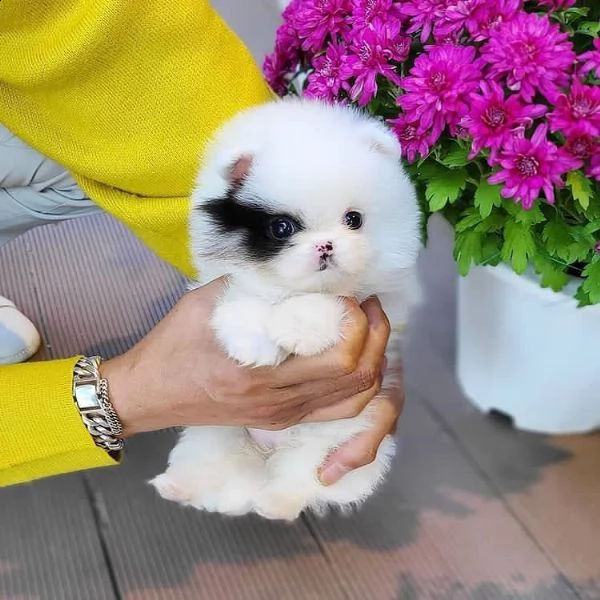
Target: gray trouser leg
{"points": [[34, 190]]}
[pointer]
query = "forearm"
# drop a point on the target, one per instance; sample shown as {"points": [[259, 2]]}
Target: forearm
{"points": [[41, 432]]}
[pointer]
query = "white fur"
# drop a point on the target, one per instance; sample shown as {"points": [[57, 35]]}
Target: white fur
{"points": [[316, 161]]}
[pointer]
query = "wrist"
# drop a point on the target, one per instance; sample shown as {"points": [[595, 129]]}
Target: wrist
{"points": [[118, 373], [90, 395]]}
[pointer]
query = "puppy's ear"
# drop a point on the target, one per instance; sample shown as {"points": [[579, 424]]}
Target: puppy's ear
{"points": [[238, 170], [382, 140]]}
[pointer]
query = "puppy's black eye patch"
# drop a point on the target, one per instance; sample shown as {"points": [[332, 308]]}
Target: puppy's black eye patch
{"points": [[265, 233]]}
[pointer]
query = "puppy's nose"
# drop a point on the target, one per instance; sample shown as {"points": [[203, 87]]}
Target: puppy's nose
{"points": [[324, 252], [325, 248]]}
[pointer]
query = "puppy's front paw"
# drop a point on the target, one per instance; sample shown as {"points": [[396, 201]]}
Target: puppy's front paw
{"points": [[240, 326], [307, 325]]}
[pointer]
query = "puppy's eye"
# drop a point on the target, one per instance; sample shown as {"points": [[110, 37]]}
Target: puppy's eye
{"points": [[281, 228], [353, 219]]}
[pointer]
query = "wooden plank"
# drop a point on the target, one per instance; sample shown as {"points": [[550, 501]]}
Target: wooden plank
{"points": [[115, 292], [161, 551], [550, 484], [99, 289], [17, 284], [436, 531], [49, 545]]}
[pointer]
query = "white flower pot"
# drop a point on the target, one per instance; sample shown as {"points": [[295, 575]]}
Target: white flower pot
{"points": [[528, 352]]}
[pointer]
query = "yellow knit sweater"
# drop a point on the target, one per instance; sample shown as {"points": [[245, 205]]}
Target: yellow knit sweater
{"points": [[125, 95]]}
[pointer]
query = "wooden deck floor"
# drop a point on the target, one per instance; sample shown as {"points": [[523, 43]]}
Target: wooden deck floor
{"points": [[472, 511]]}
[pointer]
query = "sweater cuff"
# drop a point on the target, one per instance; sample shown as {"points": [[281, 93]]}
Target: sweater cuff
{"points": [[41, 431]]}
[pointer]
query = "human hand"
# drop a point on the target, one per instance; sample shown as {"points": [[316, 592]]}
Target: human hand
{"points": [[179, 376], [362, 449]]}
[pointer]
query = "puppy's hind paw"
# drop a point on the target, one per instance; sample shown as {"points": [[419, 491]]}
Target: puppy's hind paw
{"points": [[168, 489], [279, 506]]}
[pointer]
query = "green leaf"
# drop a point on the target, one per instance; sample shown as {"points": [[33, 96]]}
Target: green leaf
{"points": [[566, 242], [467, 250], [553, 274], [470, 219], [430, 170], [582, 297], [592, 227], [491, 250], [591, 283], [583, 244], [486, 197], [518, 247], [459, 157], [591, 28], [495, 222], [557, 236], [445, 189], [581, 188], [577, 11], [532, 216]]}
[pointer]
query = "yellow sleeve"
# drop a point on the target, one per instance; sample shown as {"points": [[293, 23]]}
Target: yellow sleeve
{"points": [[41, 432], [126, 95]]}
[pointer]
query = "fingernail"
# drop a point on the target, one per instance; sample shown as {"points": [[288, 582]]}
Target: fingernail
{"points": [[372, 308], [332, 473]]}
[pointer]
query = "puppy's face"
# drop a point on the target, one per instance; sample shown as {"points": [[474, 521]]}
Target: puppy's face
{"points": [[328, 215]]}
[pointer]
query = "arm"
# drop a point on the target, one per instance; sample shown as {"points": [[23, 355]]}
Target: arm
{"points": [[41, 432], [134, 106]]}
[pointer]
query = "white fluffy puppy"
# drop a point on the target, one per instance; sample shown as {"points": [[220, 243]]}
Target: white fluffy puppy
{"points": [[300, 203]]}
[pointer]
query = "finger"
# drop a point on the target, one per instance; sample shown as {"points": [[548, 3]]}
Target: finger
{"points": [[340, 360], [362, 449], [379, 326], [374, 312], [360, 352], [370, 368], [342, 409], [323, 394]]}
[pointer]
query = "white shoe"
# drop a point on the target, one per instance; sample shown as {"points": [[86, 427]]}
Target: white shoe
{"points": [[19, 339]]}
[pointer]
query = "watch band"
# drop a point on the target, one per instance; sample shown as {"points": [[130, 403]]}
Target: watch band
{"points": [[90, 394]]}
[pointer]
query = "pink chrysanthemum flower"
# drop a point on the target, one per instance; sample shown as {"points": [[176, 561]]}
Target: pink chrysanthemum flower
{"points": [[273, 70], [594, 168], [317, 19], [457, 15], [493, 119], [532, 54], [581, 145], [591, 60], [488, 16], [332, 71], [581, 107], [422, 15], [411, 141], [376, 13], [529, 167], [284, 59], [556, 4], [438, 86], [378, 49]]}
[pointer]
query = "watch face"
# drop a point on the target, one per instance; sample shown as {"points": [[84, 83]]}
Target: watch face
{"points": [[86, 396]]}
